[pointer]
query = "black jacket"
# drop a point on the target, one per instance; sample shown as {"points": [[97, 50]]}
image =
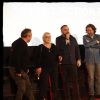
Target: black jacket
{"points": [[69, 53], [47, 58], [19, 55]]}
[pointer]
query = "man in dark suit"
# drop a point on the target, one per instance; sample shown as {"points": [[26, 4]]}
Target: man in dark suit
{"points": [[69, 56], [19, 65]]}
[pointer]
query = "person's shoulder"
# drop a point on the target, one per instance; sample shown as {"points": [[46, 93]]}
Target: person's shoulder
{"points": [[16, 41], [19, 42], [53, 44], [72, 37], [40, 45], [84, 36], [97, 35], [59, 37]]}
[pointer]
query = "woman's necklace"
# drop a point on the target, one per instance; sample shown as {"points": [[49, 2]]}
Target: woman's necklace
{"points": [[48, 46]]}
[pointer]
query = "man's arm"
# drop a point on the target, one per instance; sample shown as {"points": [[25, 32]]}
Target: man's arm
{"points": [[77, 50], [39, 57], [16, 57], [77, 54], [88, 43], [97, 45], [92, 44], [58, 45]]}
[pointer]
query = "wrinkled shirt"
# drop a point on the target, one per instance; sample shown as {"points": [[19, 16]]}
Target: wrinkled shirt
{"points": [[92, 49]]}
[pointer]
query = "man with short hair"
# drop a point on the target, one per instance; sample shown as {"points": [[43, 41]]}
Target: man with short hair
{"points": [[69, 56], [91, 43], [19, 65]]}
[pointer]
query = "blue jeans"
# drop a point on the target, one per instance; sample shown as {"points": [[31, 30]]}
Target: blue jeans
{"points": [[93, 78]]}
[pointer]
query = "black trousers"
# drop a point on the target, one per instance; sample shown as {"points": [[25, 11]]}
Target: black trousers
{"points": [[49, 81], [23, 85], [70, 82]]}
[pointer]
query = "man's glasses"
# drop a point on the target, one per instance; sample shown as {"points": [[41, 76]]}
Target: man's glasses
{"points": [[47, 36]]}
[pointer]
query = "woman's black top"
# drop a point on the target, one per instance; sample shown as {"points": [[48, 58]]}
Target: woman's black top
{"points": [[47, 58]]}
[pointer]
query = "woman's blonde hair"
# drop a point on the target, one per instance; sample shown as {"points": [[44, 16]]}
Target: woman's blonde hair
{"points": [[45, 35]]}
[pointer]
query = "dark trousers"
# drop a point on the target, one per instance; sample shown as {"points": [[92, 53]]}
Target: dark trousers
{"points": [[23, 85], [70, 82], [49, 80]]}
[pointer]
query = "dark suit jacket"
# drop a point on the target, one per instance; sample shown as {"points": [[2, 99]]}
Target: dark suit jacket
{"points": [[69, 53], [19, 55]]}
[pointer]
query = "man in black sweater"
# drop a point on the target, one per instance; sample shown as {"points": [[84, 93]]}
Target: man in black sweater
{"points": [[69, 56], [19, 65]]}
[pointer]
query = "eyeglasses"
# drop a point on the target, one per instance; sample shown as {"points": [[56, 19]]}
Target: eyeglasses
{"points": [[47, 36]]}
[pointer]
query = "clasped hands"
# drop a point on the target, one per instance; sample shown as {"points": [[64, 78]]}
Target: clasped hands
{"points": [[20, 74], [97, 41]]}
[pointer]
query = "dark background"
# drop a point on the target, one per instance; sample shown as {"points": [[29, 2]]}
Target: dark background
{"points": [[32, 49]]}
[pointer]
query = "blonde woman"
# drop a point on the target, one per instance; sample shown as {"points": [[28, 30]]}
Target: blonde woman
{"points": [[47, 67]]}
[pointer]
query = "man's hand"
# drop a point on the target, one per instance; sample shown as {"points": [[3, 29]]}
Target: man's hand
{"points": [[87, 41], [68, 36], [60, 58], [67, 41], [39, 70], [18, 74], [98, 42], [27, 70], [78, 63]]}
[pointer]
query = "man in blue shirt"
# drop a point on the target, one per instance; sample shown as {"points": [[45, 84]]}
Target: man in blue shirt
{"points": [[91, 43]]}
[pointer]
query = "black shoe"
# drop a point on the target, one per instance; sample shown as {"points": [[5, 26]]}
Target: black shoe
{"points": [[91, 97]]}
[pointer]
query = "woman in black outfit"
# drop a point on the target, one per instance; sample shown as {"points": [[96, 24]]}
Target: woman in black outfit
{"points": [[47, 67]]}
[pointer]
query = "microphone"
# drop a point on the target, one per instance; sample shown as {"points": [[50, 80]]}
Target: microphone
{"points": [[68, 39], [38, 76], [67, 42]]}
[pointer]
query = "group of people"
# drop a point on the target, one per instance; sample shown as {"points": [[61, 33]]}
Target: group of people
{"points": [[49, 56]]}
